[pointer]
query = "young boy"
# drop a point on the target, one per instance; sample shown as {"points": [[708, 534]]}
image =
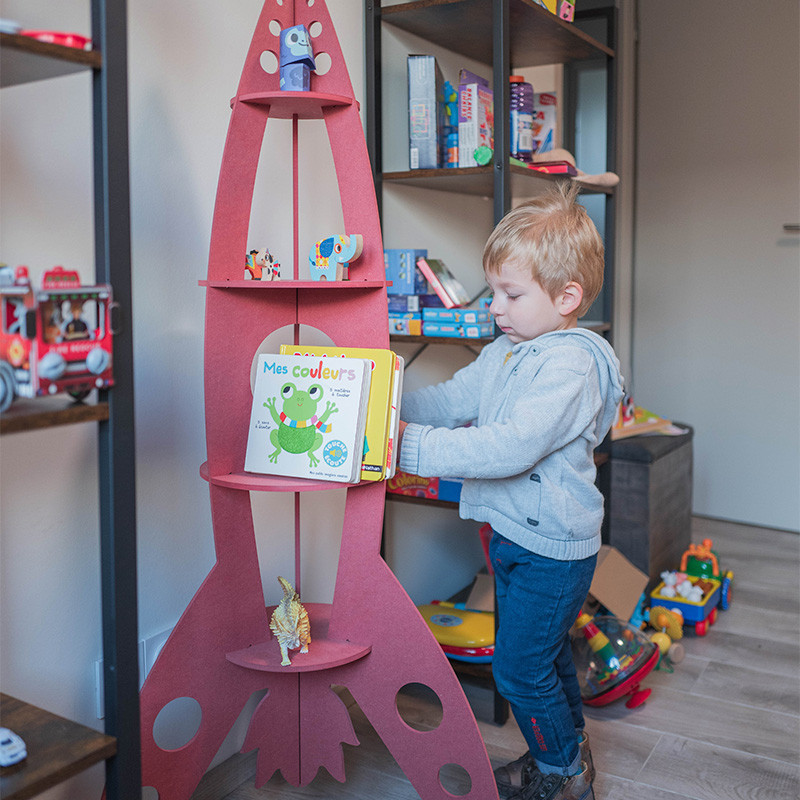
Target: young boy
{"points": [[540, 398]]}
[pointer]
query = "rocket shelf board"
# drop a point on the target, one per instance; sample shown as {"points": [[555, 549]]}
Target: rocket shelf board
{"points": [[251, 482], [303, 105], [323, 653], [276, 285]]}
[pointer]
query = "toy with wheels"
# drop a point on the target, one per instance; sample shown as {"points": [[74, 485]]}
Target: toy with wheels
{"points": [[700, 560], [612, 658], [698, 604]]}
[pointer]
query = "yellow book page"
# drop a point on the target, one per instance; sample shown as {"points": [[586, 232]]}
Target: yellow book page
{"points": [[373, 462]]}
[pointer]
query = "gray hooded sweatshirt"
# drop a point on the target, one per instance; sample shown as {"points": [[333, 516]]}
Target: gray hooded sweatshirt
{"points": [[537, 411]]}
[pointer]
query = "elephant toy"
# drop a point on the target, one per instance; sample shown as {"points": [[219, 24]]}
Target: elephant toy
{"points": [[329, 258]]}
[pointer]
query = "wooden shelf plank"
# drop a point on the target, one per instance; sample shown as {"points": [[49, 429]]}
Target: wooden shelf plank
{"points": [[57, 749], [47, 412], [479, 181], [460, 341], [23, 59], [537, 36]]}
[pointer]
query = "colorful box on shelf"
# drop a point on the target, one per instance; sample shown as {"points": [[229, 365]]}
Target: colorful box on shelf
{"points": [[565, 9], [405, 324], [425, 112], [402, 271], [413, 303], [429, 488], [545, 117], [478, 330], [475, 116], [456, 315]]}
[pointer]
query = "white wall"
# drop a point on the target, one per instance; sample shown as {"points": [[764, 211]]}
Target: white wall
{"points": [[717, 283]]}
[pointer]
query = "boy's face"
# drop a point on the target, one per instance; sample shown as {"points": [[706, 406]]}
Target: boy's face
{"points": [[521, 307]]}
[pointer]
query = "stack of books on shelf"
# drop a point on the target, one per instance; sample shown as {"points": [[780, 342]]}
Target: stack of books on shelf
{"points": [[326, 413], [426, 299]]}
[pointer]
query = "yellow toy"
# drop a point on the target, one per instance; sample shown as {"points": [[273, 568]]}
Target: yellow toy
{"points": [[290, 623]]}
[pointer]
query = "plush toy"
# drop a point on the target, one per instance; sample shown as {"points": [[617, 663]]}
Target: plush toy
{"points": [[670, 580]]}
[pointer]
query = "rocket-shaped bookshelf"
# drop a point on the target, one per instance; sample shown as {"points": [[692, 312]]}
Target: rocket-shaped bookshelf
{"points": [[370, 639]]}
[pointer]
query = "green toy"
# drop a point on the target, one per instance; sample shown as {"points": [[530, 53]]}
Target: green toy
{"points": [[299, 428]]}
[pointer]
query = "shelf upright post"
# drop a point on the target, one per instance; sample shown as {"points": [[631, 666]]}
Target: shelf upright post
{"points": [[611, 166], [501, 64], [374, 93], [116, 435]]}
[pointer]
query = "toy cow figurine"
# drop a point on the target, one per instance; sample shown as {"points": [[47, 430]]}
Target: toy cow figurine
{"points": [[329, 258], [260, 265], [296, 59]]}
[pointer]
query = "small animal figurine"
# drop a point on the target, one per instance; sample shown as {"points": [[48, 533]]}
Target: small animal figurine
{"points": [[290, 623], [329, 258], [296, 59], [260, 265], [299, 428]]}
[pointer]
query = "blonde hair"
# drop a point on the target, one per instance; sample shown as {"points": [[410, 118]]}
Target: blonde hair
{"points": [[556, 238]]}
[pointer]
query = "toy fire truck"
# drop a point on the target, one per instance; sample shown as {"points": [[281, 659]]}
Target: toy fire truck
{"points": [[56, 339]]}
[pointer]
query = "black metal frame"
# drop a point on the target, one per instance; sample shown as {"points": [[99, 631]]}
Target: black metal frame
{"points": [[116, 446]]}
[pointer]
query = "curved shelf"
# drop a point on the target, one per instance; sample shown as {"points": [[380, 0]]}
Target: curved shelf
{"points": [[251, 482], [323, 653], [303, 105], [353, 285]]}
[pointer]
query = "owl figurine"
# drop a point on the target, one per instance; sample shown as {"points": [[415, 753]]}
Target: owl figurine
{"points": [[290, 623]]}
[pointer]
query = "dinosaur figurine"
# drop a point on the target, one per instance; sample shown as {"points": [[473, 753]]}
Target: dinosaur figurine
{"points": [[290, 623]]}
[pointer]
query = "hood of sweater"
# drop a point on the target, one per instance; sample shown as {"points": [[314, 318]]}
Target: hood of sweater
{"points": [[608, 369]]}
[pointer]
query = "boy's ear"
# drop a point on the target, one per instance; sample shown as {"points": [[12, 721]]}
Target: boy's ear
{"points": [[570, 299]]}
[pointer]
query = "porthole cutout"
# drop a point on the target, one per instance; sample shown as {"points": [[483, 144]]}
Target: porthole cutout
{"points": [[455, 780], [149, 793], [275, 27], [269, 62], [308, 335], [315, 29], [177, 723], [419, 707], [323, 62]]}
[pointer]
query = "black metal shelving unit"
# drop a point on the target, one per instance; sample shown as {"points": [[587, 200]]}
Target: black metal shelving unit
{"points": [[23, 60], [503, 35]]}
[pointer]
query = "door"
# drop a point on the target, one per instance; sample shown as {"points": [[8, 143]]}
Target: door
{"points": [[716, 337]]}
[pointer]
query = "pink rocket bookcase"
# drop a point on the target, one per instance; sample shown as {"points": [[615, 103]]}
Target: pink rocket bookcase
{"points": [[371, 638]]}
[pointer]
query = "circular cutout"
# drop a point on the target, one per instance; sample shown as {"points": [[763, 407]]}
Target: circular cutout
{"points": [[275, 27], [419, 707], [454, 779], [149, 793], [177, 723], [308, 335], [269, 62], [315, 29], [323, 63]]}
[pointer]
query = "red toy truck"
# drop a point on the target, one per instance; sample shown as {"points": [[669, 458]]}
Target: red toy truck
{"points": [[56, 339]]}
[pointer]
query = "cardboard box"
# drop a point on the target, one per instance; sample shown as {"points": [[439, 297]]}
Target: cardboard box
{"points": [[456, 315], [478, 330], [405, 324], [545, 114], [617, 585], [425, 112], [403, 272], [475, 117]]}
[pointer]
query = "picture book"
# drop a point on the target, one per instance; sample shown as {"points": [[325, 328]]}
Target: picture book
{"points": [[394, 417], [382, 369], [633, 420], [443, 282], [308, 417]]}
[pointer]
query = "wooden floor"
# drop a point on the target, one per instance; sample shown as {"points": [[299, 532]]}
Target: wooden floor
{"points": [[724, 726]]}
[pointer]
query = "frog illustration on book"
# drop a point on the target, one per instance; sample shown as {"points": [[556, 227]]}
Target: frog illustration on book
{"points": [[299, 428]]}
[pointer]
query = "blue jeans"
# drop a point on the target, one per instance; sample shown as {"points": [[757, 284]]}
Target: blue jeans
{"points": [[538, 600]]}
